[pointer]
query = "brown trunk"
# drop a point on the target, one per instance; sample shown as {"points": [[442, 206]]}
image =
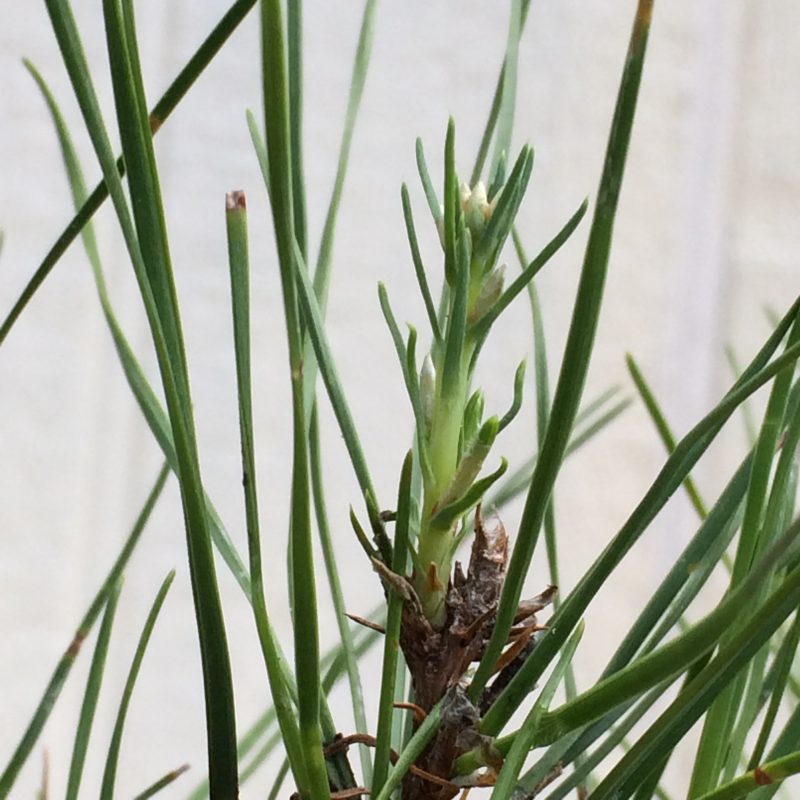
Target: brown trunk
{"points": [[438, 659]]}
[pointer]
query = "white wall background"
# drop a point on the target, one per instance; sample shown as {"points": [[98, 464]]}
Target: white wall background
{"points": [[707, 238]]}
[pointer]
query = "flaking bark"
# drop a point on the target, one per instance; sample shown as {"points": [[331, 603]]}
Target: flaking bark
{"points": [[438, 659]]}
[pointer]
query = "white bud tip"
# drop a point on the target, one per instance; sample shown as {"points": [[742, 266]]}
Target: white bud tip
{"points": [[428, 371]]}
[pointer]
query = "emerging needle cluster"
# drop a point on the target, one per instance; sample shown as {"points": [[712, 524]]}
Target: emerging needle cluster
{"points": [[463, 649]]}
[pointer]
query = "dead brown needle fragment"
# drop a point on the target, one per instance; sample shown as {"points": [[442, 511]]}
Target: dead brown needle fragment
{"points": [[366, 623], [343, 742], [519, 644], [346, 794], [419, 712], [431, 778]]}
